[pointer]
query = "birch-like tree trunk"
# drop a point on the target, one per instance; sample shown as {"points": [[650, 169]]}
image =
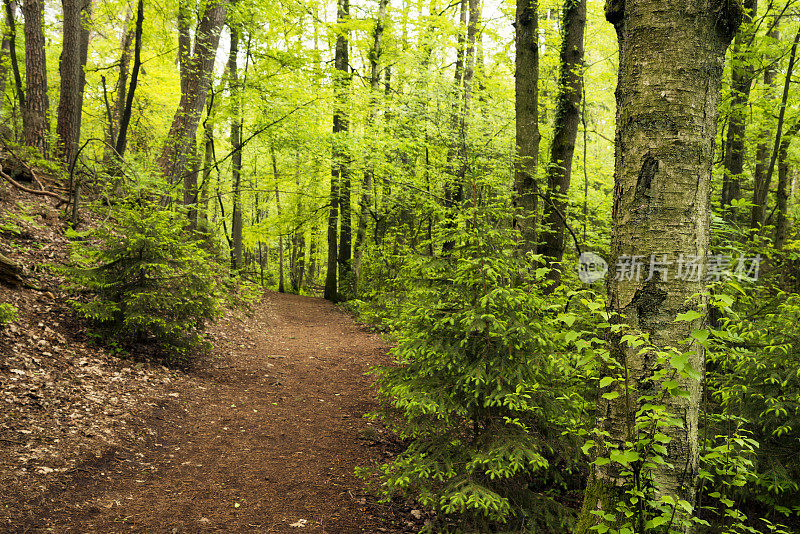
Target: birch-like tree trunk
{"points": [[671, 57]]}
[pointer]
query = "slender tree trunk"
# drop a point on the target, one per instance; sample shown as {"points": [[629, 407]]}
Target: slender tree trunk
{"points": [[125, 117], [11, 8], [565, 131], [742, 74], [760, 184], [369, 171], [35, 115], [236, 158], [782, 194], [527, 121], [339, 249], [184, 43], [208, 162], [5, 51], [75, 44], [670, 69], [779, 128], [281, 288], [126, 40], [175, 156], [312, 256]]}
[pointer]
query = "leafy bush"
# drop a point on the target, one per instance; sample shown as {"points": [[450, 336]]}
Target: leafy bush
{"points": [[477, 389], [147, 279]]}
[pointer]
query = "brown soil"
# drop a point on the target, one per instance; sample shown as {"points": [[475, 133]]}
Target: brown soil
{"points": [[264, 438]]}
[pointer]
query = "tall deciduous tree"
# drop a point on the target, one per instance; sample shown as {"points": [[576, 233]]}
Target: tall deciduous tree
{"points": [[35, 114], [527, 120], [369, 172], [76, 18], [178, 153], [565, 131], [236, 146], [125, 114], [671, 54], [339, 249]]}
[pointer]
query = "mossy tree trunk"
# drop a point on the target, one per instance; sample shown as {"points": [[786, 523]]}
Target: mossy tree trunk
{"points": [[526, 110], [670, 67]]}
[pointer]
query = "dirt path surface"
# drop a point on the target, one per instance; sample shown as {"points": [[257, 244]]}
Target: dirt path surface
{"points": [[265, 439]]}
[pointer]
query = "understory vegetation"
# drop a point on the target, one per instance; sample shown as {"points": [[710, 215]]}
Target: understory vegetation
{"points": [[445, 170]]}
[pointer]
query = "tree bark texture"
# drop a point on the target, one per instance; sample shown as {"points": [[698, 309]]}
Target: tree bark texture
{"points": [[526, 110], [670, 68], [76, 19], [176, 154], [565, 131], [35, 115]]}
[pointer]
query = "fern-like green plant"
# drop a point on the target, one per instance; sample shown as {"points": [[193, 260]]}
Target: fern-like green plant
{"points": [[145, 278]]}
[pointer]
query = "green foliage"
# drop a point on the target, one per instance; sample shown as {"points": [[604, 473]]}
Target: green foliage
{"points": [[146, 279], [477, 388], [8, 313]]}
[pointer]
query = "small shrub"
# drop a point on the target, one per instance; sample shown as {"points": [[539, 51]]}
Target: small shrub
{"points": [[148, 280], [8, 313]]}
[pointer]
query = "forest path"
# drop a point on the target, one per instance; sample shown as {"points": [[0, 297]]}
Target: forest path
{"points": [[265, 439]]}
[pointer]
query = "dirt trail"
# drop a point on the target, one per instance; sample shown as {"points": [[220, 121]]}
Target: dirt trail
{"points": [[263, 440]]}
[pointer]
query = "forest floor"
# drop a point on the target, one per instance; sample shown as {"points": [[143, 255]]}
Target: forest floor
{"points": [[263, 437]]}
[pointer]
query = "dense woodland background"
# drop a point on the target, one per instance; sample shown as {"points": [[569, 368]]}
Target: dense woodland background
{"points": [[439, 167]]}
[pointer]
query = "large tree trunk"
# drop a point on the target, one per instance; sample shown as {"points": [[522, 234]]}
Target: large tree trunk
{"points": [[562, 149], [742, 74], [176, 154], [77, 16], [670, 67], [35, 115], [527, 120], [339, 249]]}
